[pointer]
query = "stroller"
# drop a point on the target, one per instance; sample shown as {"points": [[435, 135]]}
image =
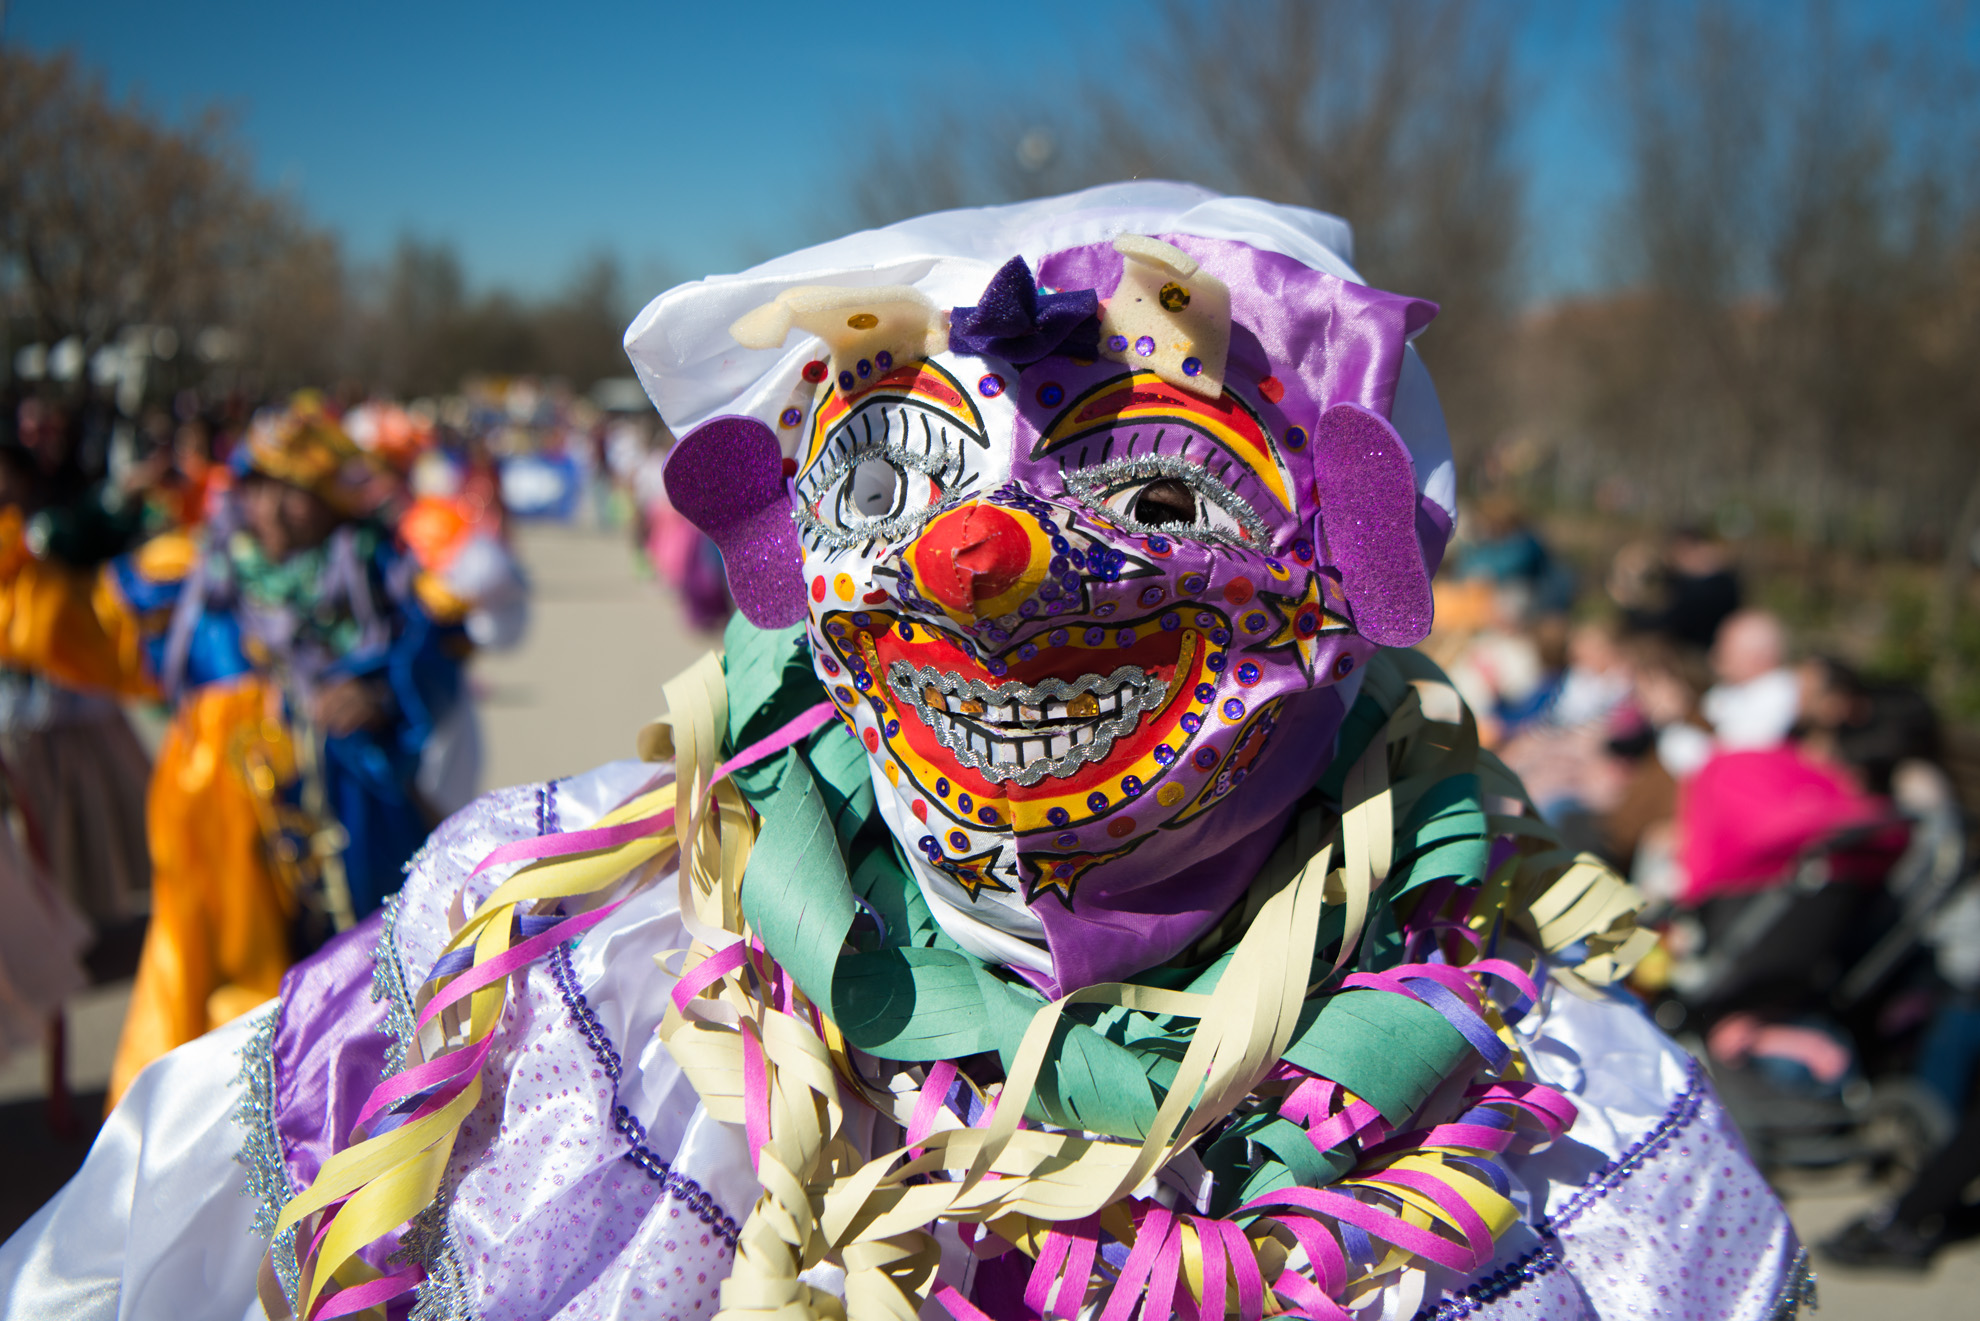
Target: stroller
{"points": [[1806, 999]]}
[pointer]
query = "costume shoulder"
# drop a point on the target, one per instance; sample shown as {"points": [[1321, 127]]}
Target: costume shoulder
{"points": [[583, 1126]]}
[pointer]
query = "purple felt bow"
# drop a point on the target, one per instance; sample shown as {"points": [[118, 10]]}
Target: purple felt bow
{"points": [[1019, 324]]}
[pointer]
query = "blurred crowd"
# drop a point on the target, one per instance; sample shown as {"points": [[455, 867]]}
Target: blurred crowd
{"points": [[294, 587], [1792, 820]]}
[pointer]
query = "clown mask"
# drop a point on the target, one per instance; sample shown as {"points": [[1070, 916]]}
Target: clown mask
{"points": [[1084, 567]]}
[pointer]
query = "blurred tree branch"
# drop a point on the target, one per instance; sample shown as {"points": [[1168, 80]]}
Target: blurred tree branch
{"points": [[1397, 117]]}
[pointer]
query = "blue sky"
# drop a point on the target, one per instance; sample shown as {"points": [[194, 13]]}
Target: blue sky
{"points": [[686, 138]]}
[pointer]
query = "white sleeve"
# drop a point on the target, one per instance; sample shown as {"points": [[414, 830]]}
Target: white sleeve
{"points": [[155, 1226]]}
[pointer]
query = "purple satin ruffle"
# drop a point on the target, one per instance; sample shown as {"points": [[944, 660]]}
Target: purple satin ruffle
{"points": [[1328, 341], [329, 1048]]}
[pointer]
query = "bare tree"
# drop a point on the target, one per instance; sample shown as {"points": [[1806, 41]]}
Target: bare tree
{"points": [[1798, 241], [110, 220], [1397, 117]]}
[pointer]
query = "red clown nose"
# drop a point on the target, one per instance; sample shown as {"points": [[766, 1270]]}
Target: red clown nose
{"points": [[973, 557]]}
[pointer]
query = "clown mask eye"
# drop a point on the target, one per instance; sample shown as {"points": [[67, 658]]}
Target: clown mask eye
{"points": [[874, 489], [876, 494], [1166, 501], [880, 473], [1170, 496]]}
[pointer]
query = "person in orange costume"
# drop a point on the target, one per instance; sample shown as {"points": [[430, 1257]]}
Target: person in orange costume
{"points": [[307, 661]]}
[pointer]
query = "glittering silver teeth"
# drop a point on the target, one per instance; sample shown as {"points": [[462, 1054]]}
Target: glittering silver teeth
{"points": [[1025, 732]]}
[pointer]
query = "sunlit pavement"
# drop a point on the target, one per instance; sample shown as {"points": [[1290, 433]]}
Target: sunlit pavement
{"points": [[602, 640]]}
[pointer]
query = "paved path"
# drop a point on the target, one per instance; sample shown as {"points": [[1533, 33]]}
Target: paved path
{"points": [[573, 695], [603, 639]]}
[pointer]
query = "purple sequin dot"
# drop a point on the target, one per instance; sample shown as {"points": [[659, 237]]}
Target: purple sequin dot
{"points": [[1191, 722], [864, 368], [1164, 753], [1151, 595], [1192, 366], [1096, 802], [1171, 622], [1343, 667], [1093, 637], [1058, 816], [1066, 840], [791, 417], [1296, 438], [1051, 394], [1233, 709], [1204, 692], [990, 386], [958, 840], [1205, 758], [1144, 347], [1131, 785], [883, 360], [1248, 674], [1057, 638], [1124, 638], [1117, 343], [965, 804], [1192, 584], [846, 381]]}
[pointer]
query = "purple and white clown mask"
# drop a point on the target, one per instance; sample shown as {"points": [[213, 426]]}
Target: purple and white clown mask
{"points": [[1084, 565]]}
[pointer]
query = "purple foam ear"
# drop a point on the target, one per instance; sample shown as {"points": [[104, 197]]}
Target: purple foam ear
{"points": [[1367, 489], [727, 478]]}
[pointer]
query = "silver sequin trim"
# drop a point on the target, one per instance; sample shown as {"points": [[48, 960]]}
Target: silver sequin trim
{"points": [[261, 1150]]}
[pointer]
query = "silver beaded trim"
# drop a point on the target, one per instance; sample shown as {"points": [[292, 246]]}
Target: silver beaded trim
{"points": [[261, 1150], [388, 983], [1093, 485], [429, 1239], [1797, 1291]]}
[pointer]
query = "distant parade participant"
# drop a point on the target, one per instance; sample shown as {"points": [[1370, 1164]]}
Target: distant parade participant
{"points": [[307, 660]]}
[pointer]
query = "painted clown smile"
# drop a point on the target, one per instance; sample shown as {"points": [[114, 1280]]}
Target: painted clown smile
{"points": [[1024, 732]]}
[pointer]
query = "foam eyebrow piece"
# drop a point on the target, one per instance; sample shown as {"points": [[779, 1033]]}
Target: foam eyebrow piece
{"points": [[727, 478], [1168, 315], [868, 329], [1366, 485]]}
